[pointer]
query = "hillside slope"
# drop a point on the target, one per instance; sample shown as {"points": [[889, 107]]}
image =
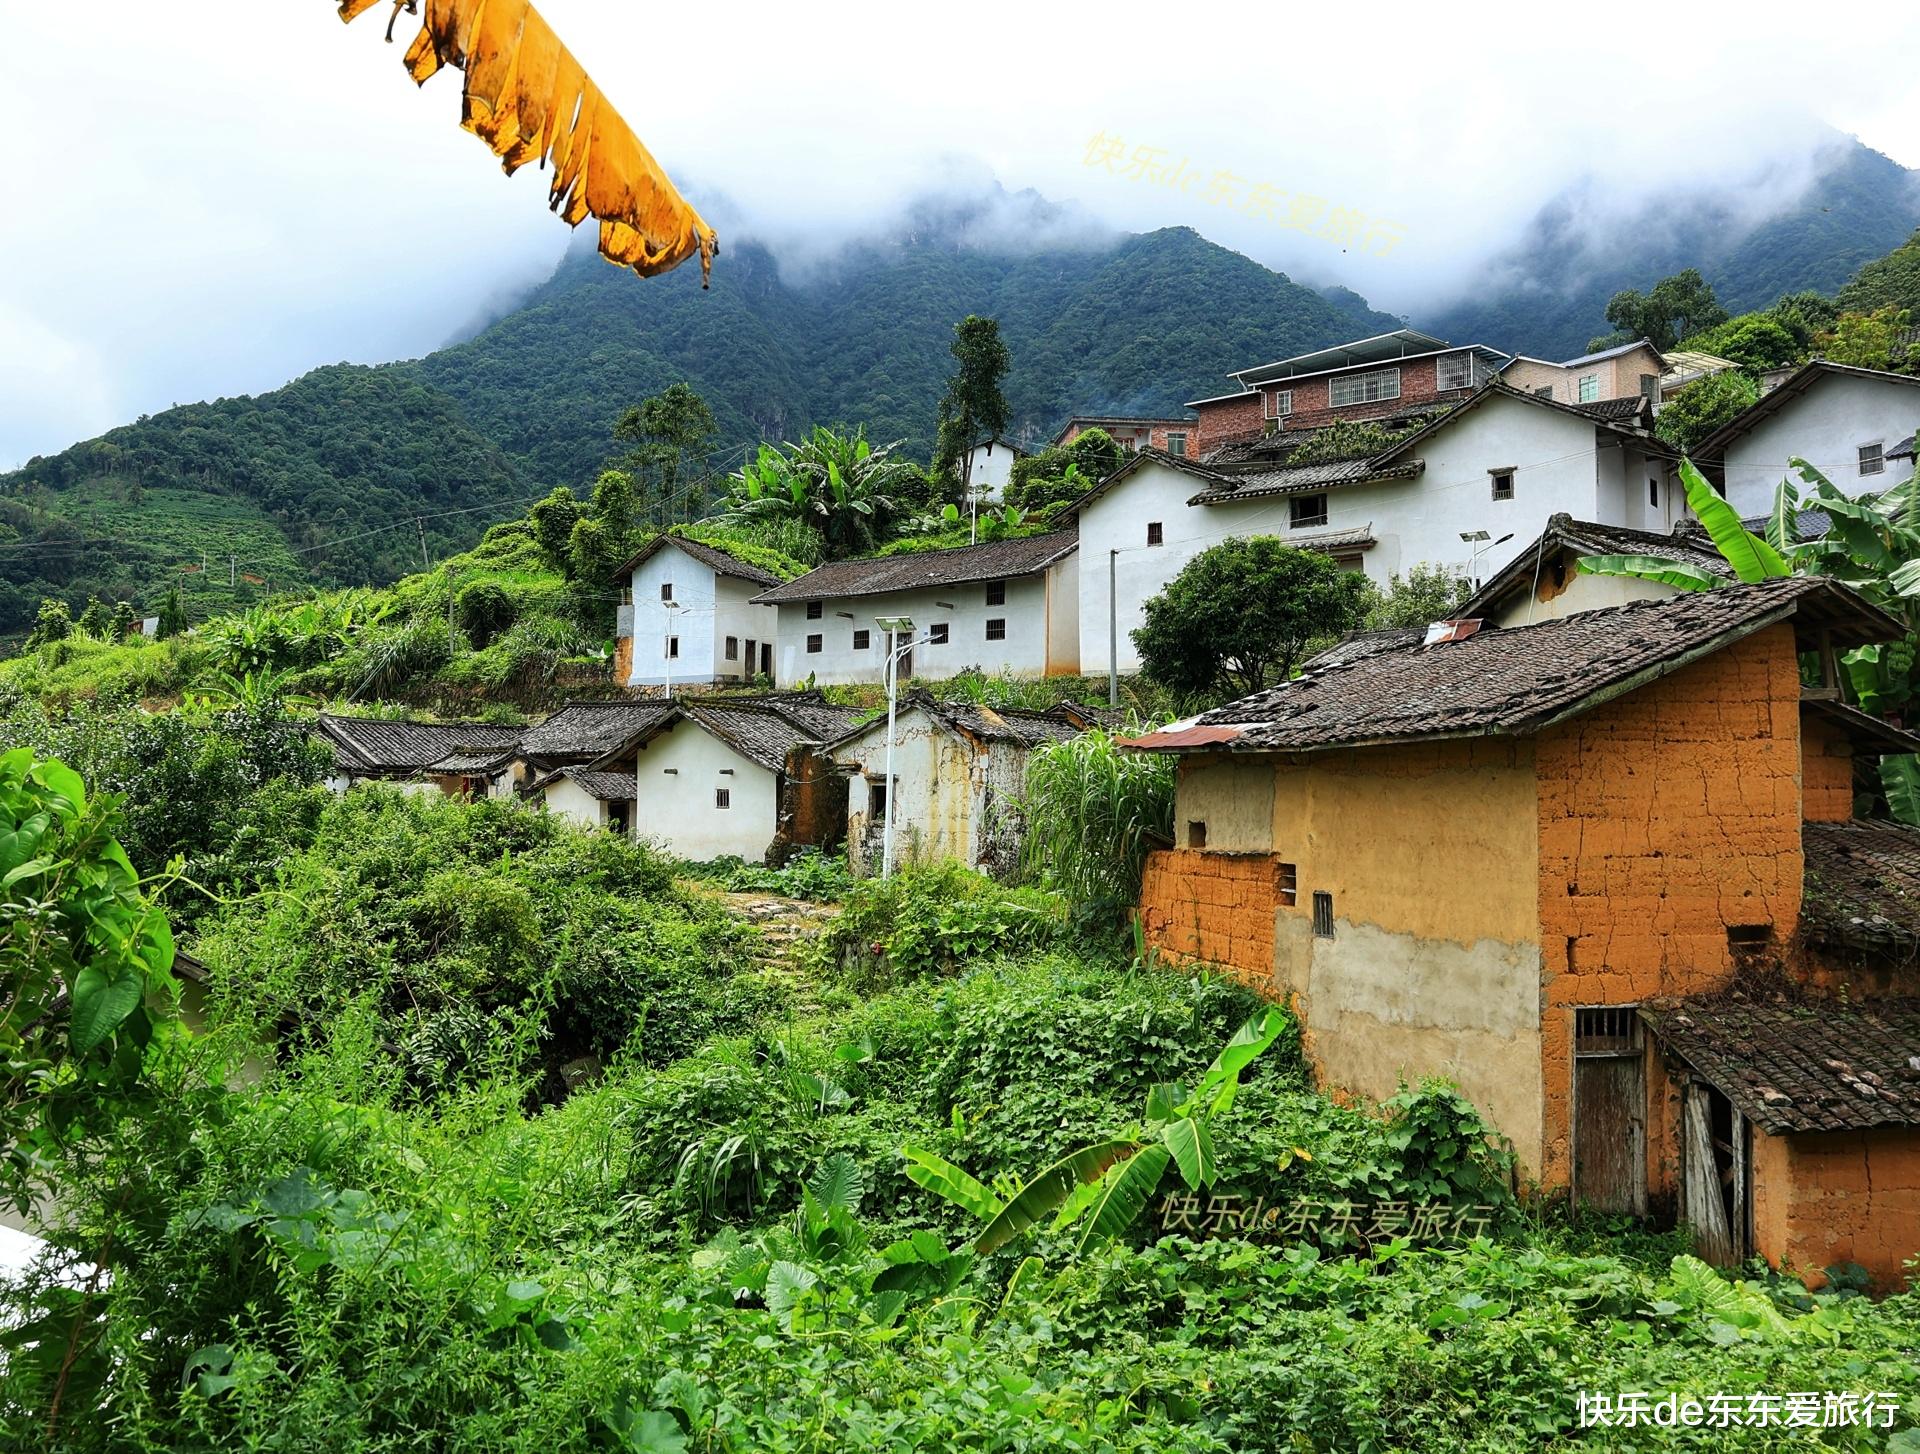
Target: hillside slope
{"points": [[1548, 294]]}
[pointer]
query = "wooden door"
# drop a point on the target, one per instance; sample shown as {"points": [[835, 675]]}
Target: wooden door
{"points": [[1609, 1111], [1714, 1174]]}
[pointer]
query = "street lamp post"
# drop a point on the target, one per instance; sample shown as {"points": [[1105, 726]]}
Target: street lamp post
{"points": [[895, 627], [1480, 540], [666, 644]]}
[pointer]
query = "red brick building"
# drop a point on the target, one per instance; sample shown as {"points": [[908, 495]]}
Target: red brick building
{"points": [[1175, 436], [1602, 873], [1392, 378]]}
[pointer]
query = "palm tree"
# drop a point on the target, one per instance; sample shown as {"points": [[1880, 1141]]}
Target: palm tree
{"points": [[838, 485]]}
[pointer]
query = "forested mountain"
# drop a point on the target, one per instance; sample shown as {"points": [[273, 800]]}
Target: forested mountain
{"points": [[294, 485], [1547, 295], [1138, 325]]}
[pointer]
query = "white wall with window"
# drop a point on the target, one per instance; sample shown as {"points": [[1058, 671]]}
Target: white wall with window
{"points": [[996, 626], [1842, 424], [701, 799], [1552, 458], [679, 601]]}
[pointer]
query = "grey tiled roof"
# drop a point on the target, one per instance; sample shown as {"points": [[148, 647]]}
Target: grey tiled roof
{"points": [[1023, 726], [1300, 479], [718, 561], [369, 744], [1617, 411], [1688, 543], [608, 787], [995, 560], [1358, 645], [472, 761], [1814, 1066], [584, 730], [757, 734], [1515, 680], [1863, 885]]}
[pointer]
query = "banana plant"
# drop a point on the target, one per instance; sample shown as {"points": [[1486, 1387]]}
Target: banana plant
{"points": [[1106, 1185]]}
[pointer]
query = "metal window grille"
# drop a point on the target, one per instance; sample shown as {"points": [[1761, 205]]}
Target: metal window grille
{"points": [[997, 628], [815, 643], [862, 640], [815, 610], [666, 590], [1454, 371], [1606, 1030], [937, 634], [1873, 459], [996, 593], [1155, 535], [1503, 484], [1308, 510], [1322, 915], [723, 797], [1366, 388]]}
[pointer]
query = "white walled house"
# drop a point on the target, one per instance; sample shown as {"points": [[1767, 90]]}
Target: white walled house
{"points": [[1006, 607], [1504, 462], [1544, 581], [689, 617], [1844, 421], [957, 769], [991, 469], [457, 759], [590, 798]]}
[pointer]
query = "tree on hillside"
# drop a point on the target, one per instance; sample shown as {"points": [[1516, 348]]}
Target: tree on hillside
{"points": [[1676, 308], [1892, 281], [55, 623], [670, 435], [173, 615], [1703, 406], [973, 406], [1869, 340], [1427, 593], [1241, 614], [1755, 341]]}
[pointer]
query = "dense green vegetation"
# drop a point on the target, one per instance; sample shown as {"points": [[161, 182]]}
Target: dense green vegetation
{"points": [[762, 1218], [1889, 282]]}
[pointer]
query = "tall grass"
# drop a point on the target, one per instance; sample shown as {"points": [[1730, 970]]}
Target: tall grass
{"points": [[1093, 812]]}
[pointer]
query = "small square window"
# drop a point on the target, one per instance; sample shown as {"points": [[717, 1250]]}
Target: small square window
{"points": [[673, 647], [1873, 458], [1279, 403], [1308, 510], [996, 593], [733, 648], [1502, 484], [1196, 833], [1545, 391], [816, 643], [1176, 441], [996, 628], [937, 634], [876, 800], [1590, 389], [1155, 534], [1286, 885], [1649, 386], [862, 640], [666, 590], [1322, 915], [723, 797], [815, 610]]}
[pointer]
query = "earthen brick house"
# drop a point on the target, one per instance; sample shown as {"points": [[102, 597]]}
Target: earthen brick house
{"points": [[1587, 870]]}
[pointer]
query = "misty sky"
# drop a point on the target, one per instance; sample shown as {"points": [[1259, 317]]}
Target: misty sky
{"points": [[211, 199]]}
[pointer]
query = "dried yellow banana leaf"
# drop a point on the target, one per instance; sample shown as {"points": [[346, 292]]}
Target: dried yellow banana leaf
{"points": [[531, 101]]}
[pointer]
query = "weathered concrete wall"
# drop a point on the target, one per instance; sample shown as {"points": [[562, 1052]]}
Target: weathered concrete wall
{"points": [[1430, 856], [1828, 1197], [1826, 770], [1666, 819], [812, 805], [1434, 964]]}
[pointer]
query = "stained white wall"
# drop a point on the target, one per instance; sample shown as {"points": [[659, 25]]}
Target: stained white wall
{"points": [[678, 773], [992, 470], [933, 794], [1557, 464], [963, 609], [710, 608], [1825, 426], [568, 799]]}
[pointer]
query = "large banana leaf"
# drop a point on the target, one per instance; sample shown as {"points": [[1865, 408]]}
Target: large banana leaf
{"points": [[1905, 579], [944, 1179], [1751, 557], [1249, 1042], [1192, 1146], [1900, 776], [1783, 524], [1681, 575], [1050, 1188], [1124, 1192]]}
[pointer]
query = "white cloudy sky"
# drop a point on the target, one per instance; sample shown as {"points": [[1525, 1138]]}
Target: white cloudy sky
{"points": [[207, 199]]}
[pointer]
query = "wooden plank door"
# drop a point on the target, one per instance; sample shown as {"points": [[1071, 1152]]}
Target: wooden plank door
{"points": [[1609, 1110]]}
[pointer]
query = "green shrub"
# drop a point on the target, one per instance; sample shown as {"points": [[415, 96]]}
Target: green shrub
{"points": [[927, 920]]}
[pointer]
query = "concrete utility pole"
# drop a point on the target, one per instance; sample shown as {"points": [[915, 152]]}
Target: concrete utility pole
{"points": [[1113, 632], [895, 627], [421, 526]]}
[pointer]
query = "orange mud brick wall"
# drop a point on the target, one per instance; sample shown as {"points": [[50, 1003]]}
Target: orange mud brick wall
{"points": [[622, 661], [1666, 819], [1826, 770], [1838, 1196], [1213, 907]]}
